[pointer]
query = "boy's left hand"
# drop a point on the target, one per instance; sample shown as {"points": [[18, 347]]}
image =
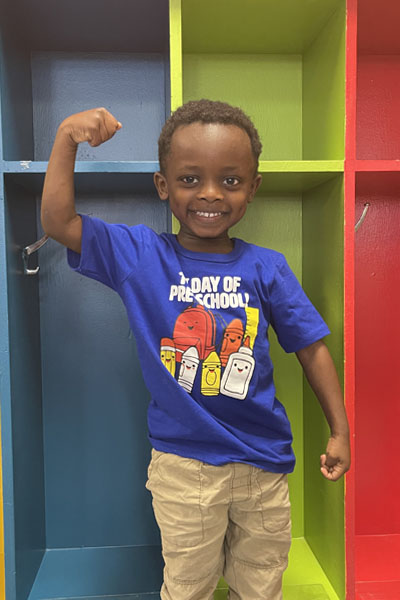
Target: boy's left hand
{"points": [[336, 461]]}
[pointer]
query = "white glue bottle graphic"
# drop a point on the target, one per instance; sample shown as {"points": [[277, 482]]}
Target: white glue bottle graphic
{"points": [[238, 373], [189, 364]]}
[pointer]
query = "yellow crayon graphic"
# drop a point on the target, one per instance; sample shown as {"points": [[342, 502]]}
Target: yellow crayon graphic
{"points": [[167, 355], [211, 375], [252, 315]]}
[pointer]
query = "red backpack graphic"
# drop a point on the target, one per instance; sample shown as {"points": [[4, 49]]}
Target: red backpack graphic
{"points": [[195, 326]]}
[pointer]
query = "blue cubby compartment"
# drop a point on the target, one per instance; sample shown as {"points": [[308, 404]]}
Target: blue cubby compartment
{"points": [[78, 520], [58, 58]]}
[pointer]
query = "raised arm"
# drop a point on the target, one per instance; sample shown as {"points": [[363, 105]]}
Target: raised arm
{"points": [[321, 374], [58, 215]]}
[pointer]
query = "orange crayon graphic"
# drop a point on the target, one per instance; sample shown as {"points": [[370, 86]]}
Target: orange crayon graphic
{"points": [[232, 340]]}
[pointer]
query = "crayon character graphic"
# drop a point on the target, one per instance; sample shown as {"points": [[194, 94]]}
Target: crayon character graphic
{"points": [[232, 340], [167, 354], [238, 373], [211, 375], [188, 370]]}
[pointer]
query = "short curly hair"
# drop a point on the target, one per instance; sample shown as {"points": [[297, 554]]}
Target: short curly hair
{"points": [[206, 111]]}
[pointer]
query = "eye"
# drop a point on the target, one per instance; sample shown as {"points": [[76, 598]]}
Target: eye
{"points": [[190, 179], [231, 181]]}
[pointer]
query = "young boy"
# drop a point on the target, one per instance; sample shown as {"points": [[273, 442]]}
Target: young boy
{"points": [[200, 304]]}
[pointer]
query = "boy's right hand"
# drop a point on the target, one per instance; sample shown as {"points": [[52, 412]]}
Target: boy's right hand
{"points": [[94, 126], [59, 217]]}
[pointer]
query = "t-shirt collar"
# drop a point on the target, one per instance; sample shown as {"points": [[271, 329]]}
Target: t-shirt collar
{"points": [[231, 256]]}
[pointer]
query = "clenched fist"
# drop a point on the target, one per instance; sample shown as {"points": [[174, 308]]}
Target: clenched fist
{"points": [[94, 126]]}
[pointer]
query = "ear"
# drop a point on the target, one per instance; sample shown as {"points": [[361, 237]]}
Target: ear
{"points": [[161, 185], [254, 186]]}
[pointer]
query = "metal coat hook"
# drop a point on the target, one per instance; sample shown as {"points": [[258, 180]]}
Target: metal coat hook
{"points": [[364, 214], [28, 250]]}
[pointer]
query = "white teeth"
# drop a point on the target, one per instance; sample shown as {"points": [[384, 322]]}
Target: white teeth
{"points": [[207, 214]]}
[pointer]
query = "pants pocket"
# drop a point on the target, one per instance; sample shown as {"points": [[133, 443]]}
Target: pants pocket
{"points": [[274, 502], [175, 484]]}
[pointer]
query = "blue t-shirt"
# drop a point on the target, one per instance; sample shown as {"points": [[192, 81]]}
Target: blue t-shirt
{"points": [[201, 326]]}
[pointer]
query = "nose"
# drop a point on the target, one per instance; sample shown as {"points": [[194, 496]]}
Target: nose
{"points": [[210, 191]]}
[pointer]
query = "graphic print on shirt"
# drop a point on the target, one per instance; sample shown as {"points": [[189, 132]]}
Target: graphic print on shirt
{"points": [[189, 365], [204, 346], [232, 340], [196, 327], [238, 373], [167, 354], [211, 375]]}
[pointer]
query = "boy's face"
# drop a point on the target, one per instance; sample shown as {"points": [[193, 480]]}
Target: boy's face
{"points": [[210, 178]]}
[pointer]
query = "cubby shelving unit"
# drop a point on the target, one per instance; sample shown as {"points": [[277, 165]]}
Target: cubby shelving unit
{"points": [[321, 81]]}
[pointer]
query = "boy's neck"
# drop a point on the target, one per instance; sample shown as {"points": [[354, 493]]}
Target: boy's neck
{"points": [[219, 245]]}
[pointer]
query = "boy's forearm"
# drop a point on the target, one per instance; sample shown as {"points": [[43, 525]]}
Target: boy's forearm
{"points": [[58, 199], [321, 374]]}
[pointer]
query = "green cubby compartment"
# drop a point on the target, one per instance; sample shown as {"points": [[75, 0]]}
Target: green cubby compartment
{"points": [[78, 519], [378, 80], [58, 58], [300, 213], [282, 62], [305, 222]]}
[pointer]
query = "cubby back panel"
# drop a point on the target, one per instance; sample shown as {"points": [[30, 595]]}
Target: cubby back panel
{"points": [[130, 86], [94, 399], [378, 118], [377, 328], [269, 91]]}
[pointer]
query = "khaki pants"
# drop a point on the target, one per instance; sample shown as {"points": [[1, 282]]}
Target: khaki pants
{"points": [[231, 520]]}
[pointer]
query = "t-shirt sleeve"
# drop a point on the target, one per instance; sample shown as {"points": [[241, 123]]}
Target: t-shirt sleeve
{"points": [[110, 252], [295, 320]]}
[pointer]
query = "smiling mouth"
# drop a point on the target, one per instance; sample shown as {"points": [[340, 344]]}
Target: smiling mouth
{"points": [[208, 215]]}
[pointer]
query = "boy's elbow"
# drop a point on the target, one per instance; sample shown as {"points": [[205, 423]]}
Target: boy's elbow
{"points": [[68, 233], [51, 226], [308, 352]]}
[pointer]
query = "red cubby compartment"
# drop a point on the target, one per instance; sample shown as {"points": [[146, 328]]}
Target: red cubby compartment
{"points": [[377, 387], [378, 80]]}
